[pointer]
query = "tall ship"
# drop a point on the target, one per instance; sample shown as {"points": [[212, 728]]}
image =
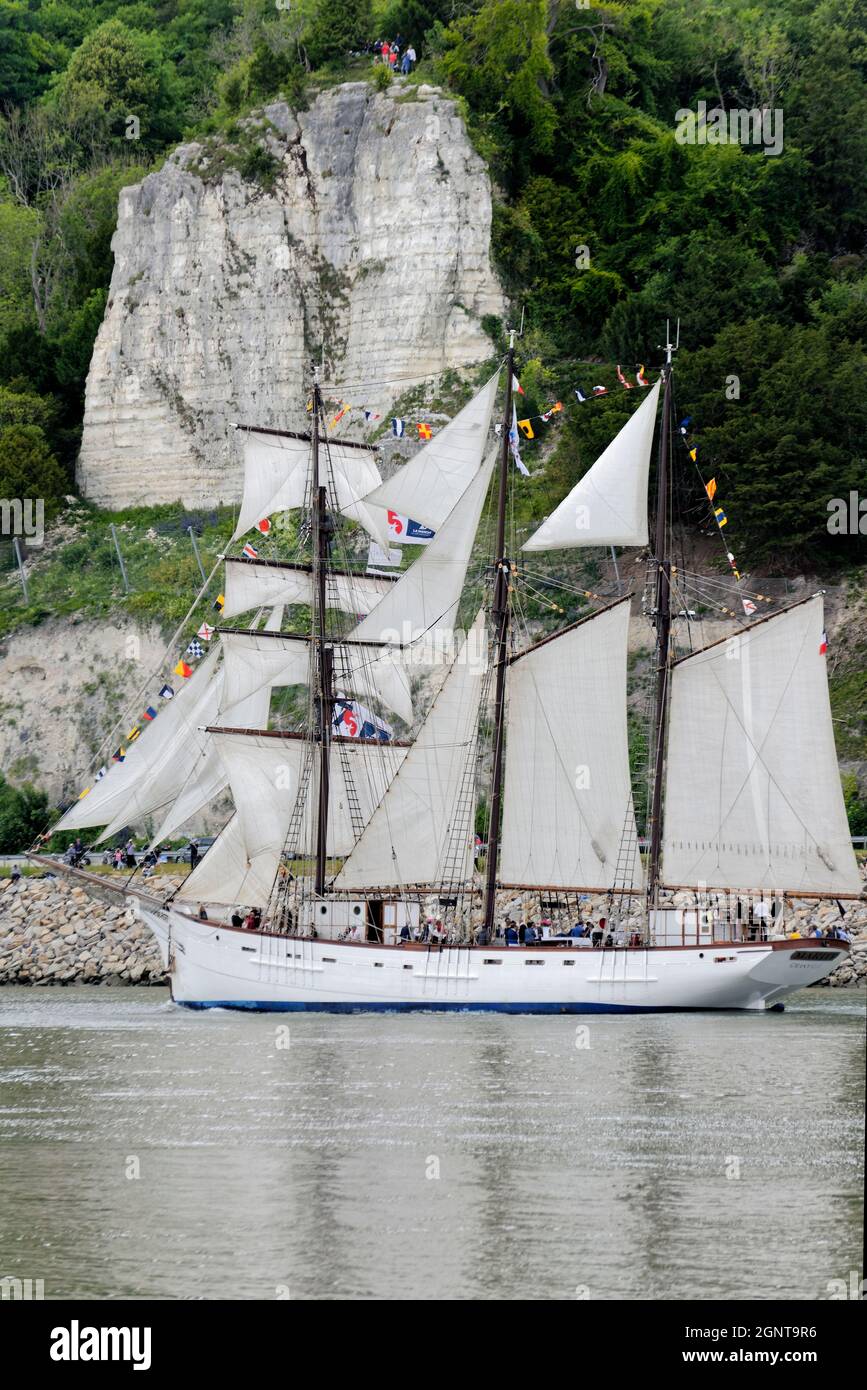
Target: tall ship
{"points": [[346, 838]]}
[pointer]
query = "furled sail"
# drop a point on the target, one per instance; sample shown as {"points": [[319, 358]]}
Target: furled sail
{"points": [[424, 601], [429, 487], [151, 755], [567, 796], [608, 506], [752, 786], [265, 774], [252, 584], [422, 830], [258, 660], [277, 478]]}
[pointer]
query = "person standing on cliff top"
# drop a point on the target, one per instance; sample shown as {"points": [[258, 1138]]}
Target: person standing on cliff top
{"points": [[408, 61]]}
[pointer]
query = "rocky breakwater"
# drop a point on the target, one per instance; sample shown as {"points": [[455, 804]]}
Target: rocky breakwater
{"points": [[53, 932]]}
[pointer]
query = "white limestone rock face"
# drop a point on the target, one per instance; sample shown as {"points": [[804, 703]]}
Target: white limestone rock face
{"points": [[373, 244]]}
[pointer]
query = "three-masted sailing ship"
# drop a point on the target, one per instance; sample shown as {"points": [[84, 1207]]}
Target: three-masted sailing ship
{"points": [[340, 843]]}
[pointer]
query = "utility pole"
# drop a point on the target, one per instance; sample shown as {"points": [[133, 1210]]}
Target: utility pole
{"points": [[196, 553], [16, 545], [120, 559]]}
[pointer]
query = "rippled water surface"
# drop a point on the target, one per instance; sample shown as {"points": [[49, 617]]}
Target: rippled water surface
{"points": [[428, 1156]]}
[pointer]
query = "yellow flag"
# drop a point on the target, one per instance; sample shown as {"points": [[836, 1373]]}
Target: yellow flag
{"points": [[692, 454], [710, 489], [526, 428]]}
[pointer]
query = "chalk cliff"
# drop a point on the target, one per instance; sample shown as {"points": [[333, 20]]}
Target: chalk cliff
{"points": [[359, 228]]}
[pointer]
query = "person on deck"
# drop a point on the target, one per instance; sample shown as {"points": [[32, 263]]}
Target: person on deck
{"points": [[404, 934], [511, 935], [202, 914], [236, 919], [530, 934], [597, 932]]}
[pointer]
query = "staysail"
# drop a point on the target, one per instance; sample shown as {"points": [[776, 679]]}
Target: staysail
{"points": [[429, 487], [421, 833], [752, 786], [568, 797], [608, 506], [159, 757], [424, 601]]}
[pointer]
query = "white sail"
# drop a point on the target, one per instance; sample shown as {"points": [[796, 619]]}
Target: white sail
{"points": [[428, 487], [608, 506], [254, 661], [424, 601], [155, 748], [277, 478], [752, 786], [423, 829], [252, 584], [265, 775], [178, 758], [208, 777], [567, 797]]}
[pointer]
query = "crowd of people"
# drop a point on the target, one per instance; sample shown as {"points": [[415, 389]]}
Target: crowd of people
{"points": [[390, 55]]}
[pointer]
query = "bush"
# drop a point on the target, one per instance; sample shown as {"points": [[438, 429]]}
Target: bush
{"points": [[381, 77], [24, 814]]}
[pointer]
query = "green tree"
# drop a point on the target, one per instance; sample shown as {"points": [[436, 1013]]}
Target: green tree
{"points": [[340, 27], [28, 468], [24, 814], [124, 71]]}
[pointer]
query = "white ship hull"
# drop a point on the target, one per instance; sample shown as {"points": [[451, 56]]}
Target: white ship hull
{"points": [[214, 966]]}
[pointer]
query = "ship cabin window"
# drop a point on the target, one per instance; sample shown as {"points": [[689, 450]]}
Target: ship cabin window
{"points": [[329, 960], [407, 967], [491, 960], [378, 964], [568, 962], [534, 962]]}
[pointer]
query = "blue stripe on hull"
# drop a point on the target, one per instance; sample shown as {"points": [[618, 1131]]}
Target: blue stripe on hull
{"points": [[430, 1007]]}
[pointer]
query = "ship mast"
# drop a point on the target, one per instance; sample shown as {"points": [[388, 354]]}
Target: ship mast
{"points": [[663, 628], [325, 658], [500, 615]]}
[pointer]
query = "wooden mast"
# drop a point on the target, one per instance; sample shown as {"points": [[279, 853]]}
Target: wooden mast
{"points": [[325, 659], [500, 613], [663, 632]]}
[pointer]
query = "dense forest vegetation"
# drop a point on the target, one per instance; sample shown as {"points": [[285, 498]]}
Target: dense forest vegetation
{"points": [[604, 222]]}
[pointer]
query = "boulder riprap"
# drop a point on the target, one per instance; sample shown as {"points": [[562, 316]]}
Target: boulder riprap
{"points": [[53, 932]]}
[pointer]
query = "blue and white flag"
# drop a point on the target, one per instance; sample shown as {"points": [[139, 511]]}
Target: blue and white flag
{"points": [[580, 394], [404, 531], [397, 427], [513, 444], [352, 720]]}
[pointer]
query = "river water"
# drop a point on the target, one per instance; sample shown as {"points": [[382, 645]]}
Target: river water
{"points": [[151, 1152]]}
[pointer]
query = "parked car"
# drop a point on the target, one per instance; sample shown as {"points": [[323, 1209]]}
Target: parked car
{"points": [[182, 855]]}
